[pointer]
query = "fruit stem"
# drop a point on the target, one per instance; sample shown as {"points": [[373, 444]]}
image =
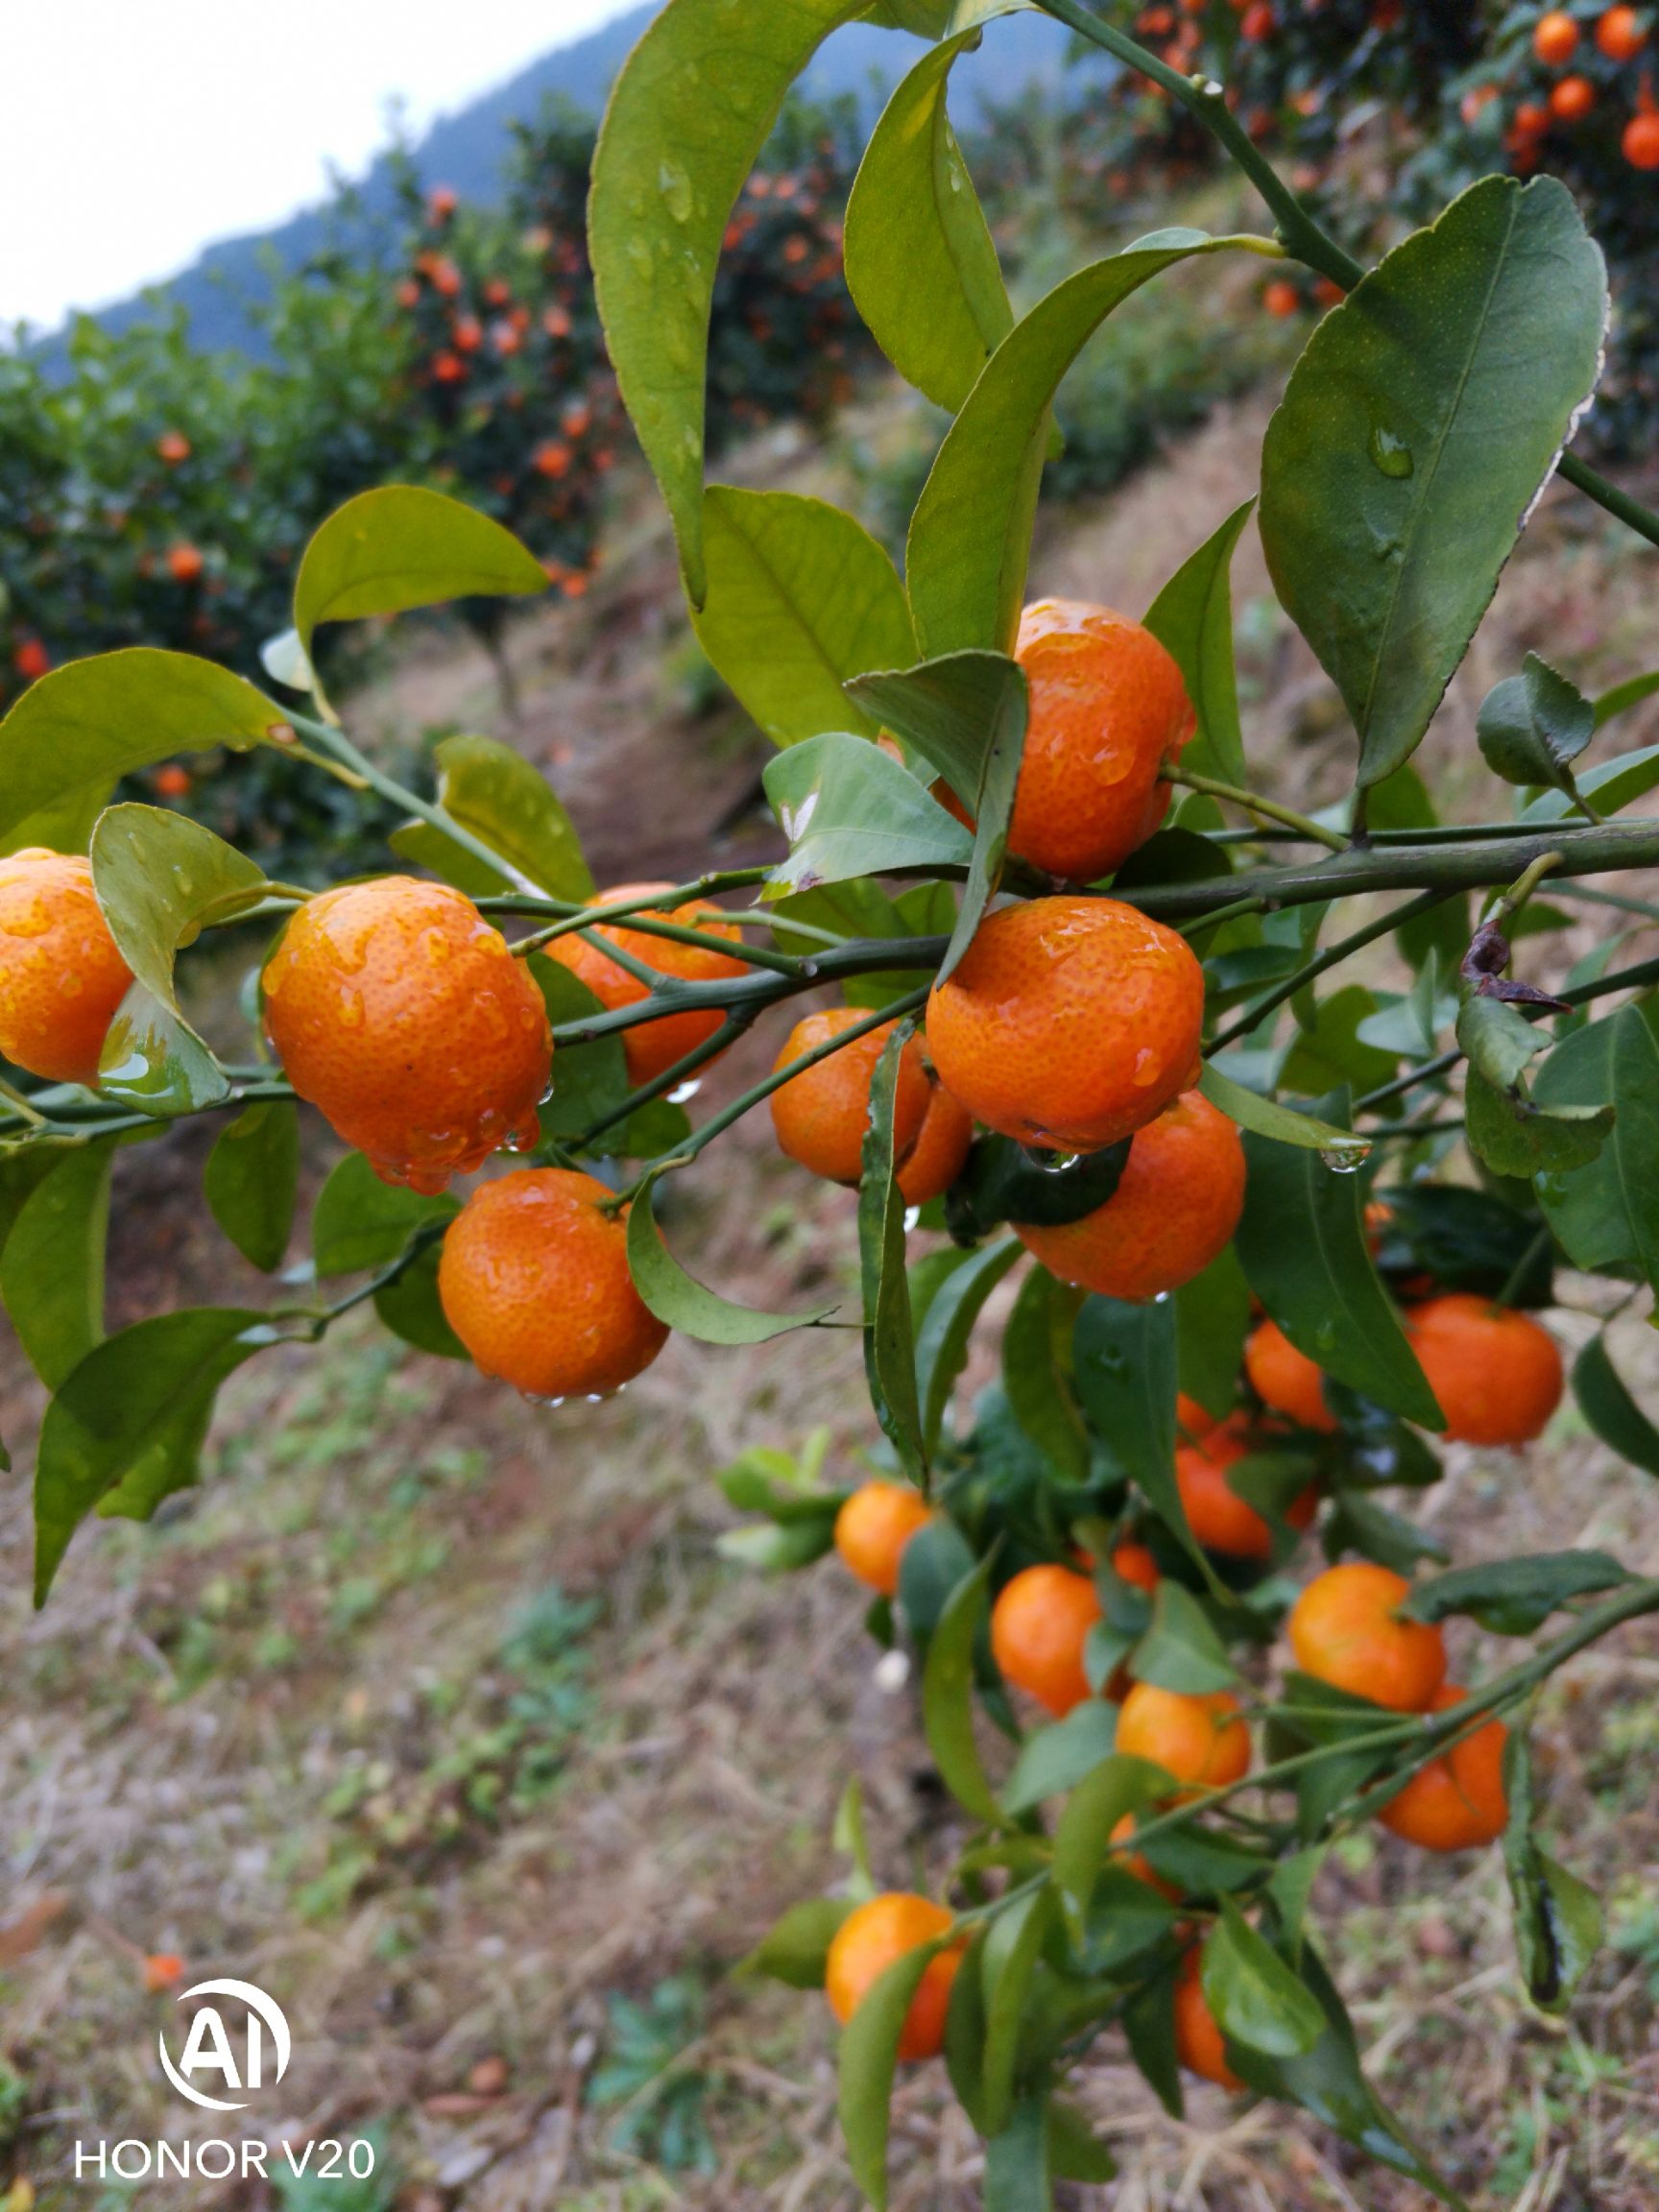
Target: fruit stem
{"points": [[1269, 810]]}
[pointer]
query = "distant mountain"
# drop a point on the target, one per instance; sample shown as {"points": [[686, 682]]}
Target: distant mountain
{"points": [[469, 150]]}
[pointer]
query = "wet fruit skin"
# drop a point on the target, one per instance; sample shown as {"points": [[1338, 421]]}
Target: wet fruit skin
{"points": [[820, 1116], [1069, 1023], [1496, 1373], [61, 975], [1108, 711], [652, 1047], [940, 1152], [1456, 1802], [869, 1940], [1199, 1740], [399, 1013], [1287, 1380], [873, 1528], [534, 1280], [1174, 1211], [1220, 1518], [1199, 2041], [1039, 1628], [1343, 1629]]}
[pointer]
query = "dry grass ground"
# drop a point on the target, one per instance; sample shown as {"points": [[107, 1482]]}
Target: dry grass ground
{"points": [[441, 1717]]}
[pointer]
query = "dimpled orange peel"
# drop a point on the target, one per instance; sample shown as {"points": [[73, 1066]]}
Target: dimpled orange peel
{"points": [[1069, 1023], [402, 1014], [651, 1048], [61, 975]]}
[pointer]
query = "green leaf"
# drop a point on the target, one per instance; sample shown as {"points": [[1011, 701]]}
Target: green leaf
{"points": [[1558, 1924], [1606, 1404], [1018, 2160], [1036, 1372], [495, 793], [1266, 1118], [869, 2058], [1149, 2030], [1180, 1650], [931, 1565], [410, 1306], [1212, 1321], [1623, 696], [1532, 727], [1514, 1136], [1118, 1785], [850, 810], [1424, 418], [889, 1341], [684, 1303], [52, 1265], [133, 1411], [402, 547], [1055, 1759], [1303, 1247], [1467, 1240], [921, 265], [160, 876], [589, 1081], [799, 597], [943, 1337], [1514, 1596], [688, 114], [360, 1223], [1256, 1998], [250, 1180], [1499, 1041], [1614, 784], [948, 1699], [1009, 1959], [1074, 2153], [848, 1836], [970, 533], [80, 728], [1193, 618], [1606, 1212], [796, 1948], [1002, 1182]]}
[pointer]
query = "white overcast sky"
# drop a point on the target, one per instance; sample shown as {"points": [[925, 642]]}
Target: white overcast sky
{"points": [[134, 132]]}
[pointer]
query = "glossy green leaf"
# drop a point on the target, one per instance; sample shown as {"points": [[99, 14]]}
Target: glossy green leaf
{"points": [[1267, 1117], [1001, 1182], [1514, 1136], [132, 1412], [1118, 1785], [1193, 618], [1612, 785], [1126, 1364], [920, 264], [948, 1699], [1424, 418], [970, 533], [1498, 1040], [1514, 1596], [1557, 1919], [250, 1180], [1255, 1996], [360, 1223], [934, 1564], [1303, 1247], [52, 1265], [687, 117], [869, 2058], [1532, 727], [64, 824], [1606, 1213], [1212, 1321], [941, 1339], [1467, 1240], [1009, 1959], [1180, 1650], [1606, 1404], [684, 1303], [1055, 1759], [795, 1949], [589, 1081], [410, 1306], [155, 1062], [494, 792], [84, 725], [889, 1338], [402, 547], [800, 598], [1036, 1372], [850, 810]]}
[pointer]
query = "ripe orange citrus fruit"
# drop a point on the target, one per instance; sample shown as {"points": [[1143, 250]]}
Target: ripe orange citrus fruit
{"points": [[184, 563], [1194, 1421], [1287, 1380], [1555, 38], [1199, 1740], [1496, 1373], [60, 977], [872, 1529], [534, 1280], [1457, 1801], [1174, 1209], [1640, 141], [872, 1938], [1573, 98], [1136, 1863], [1346, 1629], [1198, 2040], [1134, 1563], [820, 1115], [1220, 1518], [1281, 298], [402, 1014], [653, 1046], [1039, 1628], [940, 1151], [1069, 1023], [1109, 710], [1620, 35]]}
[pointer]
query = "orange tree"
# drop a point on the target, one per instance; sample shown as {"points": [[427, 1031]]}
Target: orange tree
{"points": [[1138, 1066]]}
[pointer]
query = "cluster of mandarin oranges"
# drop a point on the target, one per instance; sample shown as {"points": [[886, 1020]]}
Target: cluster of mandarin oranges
{"points": [[1582, 64]]}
